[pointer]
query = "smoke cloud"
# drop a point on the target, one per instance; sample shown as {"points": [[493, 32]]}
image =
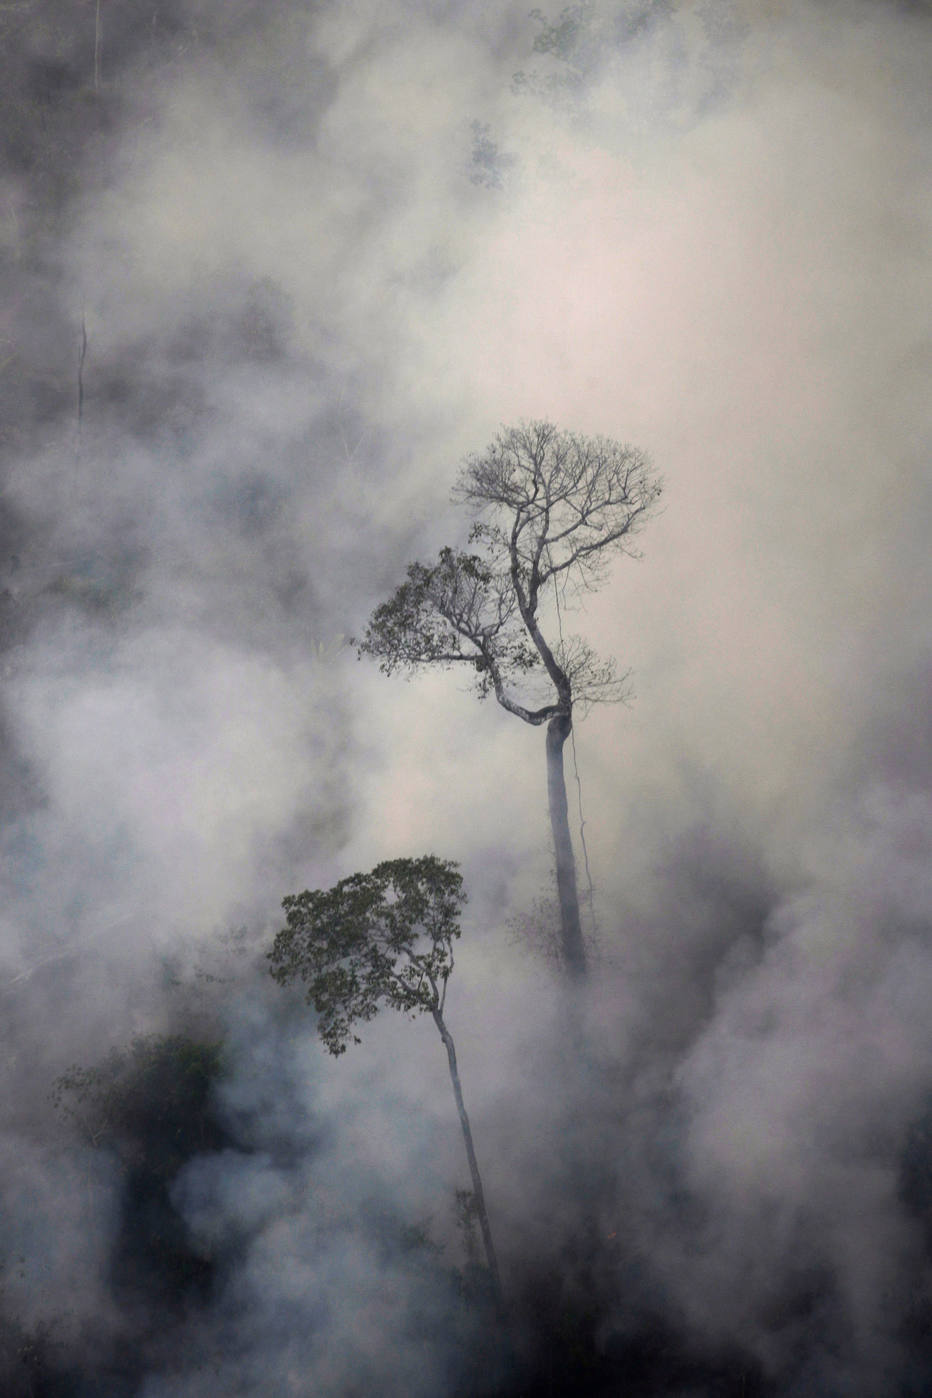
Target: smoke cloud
{"points": [[268, 275]]}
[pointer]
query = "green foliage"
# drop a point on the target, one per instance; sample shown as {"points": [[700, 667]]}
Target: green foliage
{"points": [[382, 938], [460, 610]]}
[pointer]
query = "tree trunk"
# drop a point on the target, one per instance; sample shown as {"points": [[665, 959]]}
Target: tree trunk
{"points": [[574, 952], [477, 1190]]}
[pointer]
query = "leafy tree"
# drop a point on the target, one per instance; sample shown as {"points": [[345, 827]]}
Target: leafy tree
{"points": [[550, 508], [383, 938]]}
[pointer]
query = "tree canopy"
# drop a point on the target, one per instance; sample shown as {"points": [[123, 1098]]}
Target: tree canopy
{"points": [[550, 508], [382, 938]]}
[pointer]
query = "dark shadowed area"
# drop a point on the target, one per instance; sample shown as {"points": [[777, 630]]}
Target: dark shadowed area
{"points": [[268, 274]]}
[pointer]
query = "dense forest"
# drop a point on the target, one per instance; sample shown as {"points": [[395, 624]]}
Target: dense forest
{"points": [[358, 1039]]}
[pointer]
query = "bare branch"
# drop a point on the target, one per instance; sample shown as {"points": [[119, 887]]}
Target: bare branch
{"points": [[551, 507], [578, 497]]}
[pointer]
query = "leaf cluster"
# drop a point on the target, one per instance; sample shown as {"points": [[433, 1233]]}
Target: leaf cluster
{"points": [[459, 610], [382, 938]]}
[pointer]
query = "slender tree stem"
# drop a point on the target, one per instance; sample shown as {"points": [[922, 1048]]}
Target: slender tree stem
{"points": [[478, 1193], [97, 47], [81, 358], [574, 952]]}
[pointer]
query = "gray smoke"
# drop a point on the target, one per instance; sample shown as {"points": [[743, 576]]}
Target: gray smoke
{"points": [[268, 276]]}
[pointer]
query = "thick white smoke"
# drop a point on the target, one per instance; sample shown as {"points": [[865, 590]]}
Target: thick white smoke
{"points": [[318, 255]]}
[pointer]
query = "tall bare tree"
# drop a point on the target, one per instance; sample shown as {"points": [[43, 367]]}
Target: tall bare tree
{"points": [[550, 508]]}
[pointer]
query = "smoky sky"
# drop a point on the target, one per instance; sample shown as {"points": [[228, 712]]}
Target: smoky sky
{"points": [[269, 273]]}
